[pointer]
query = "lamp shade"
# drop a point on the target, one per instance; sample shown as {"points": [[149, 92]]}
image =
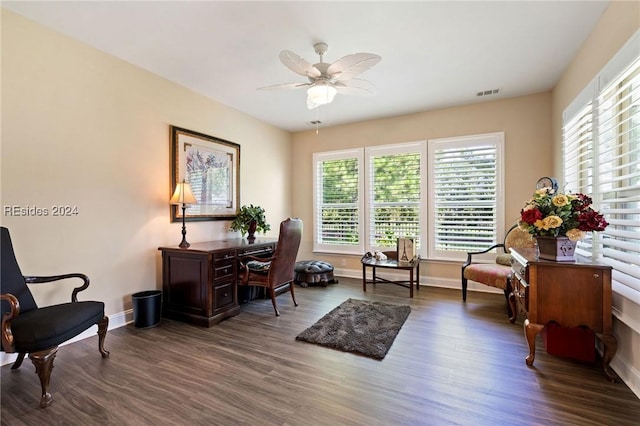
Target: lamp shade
{"points": [[321, 93], [183, 194]]}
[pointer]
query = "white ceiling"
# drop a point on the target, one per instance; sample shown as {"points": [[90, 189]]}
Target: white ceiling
{"points": [[435, 54]]}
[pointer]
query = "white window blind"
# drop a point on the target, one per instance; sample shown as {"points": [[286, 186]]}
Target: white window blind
{"points": [[619, 178], [578, 151], [578, 160], [338, 205], [601, 150], [394, 194], [465, 181]]}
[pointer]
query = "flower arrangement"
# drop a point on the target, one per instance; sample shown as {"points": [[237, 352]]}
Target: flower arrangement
{"points": [[559, 215]]}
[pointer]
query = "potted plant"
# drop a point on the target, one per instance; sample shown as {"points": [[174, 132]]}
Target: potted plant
{"points": [[249, 220]]}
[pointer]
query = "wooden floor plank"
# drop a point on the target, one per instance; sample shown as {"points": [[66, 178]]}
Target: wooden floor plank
{"points": [[452, 363]]}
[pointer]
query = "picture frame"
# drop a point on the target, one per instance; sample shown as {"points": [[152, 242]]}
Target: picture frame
{"points": [[406, 250], [212, 167]]}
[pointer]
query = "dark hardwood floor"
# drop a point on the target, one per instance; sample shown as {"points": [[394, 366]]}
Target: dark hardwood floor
{"points": [[452, 363]]}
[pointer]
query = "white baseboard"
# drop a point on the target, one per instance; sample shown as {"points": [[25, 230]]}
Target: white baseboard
{"points": [[115, 321], [426, 281]]}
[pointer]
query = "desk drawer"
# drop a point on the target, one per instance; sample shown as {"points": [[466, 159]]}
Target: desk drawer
{"points": [[221, 271], [222, 295], [257, 252], [224, 257]]}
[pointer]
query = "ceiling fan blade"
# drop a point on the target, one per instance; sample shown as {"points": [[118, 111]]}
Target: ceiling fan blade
{"points": [[355, 86], [351, 65], [298, 65], [285, 86]]}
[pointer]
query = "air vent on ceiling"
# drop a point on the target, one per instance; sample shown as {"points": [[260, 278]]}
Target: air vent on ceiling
{"points": [[315, 122], [488, 92]]}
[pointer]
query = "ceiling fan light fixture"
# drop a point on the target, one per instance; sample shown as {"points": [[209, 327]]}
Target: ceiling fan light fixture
{"points": [[321, 94]]}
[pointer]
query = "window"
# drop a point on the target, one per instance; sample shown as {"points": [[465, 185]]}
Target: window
{"points": [[362, 209], [601, 146], [465, 181], [394, 194], [338, 208]]}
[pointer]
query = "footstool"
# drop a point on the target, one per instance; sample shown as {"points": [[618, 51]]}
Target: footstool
{"points": [[312, 272]]}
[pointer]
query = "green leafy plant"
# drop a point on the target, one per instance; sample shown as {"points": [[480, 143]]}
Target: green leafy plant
{"points": [[246, 215]]}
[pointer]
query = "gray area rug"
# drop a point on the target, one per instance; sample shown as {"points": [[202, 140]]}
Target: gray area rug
{"points": [[359, 326]]}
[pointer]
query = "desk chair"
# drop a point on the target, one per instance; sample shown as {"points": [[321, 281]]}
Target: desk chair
{"points": [[275, 273]]}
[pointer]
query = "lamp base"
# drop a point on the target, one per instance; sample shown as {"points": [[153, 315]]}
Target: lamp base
{"points": [[184, 243]]}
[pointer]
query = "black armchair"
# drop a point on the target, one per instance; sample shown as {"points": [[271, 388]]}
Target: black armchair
{"points": [[28, 329]]}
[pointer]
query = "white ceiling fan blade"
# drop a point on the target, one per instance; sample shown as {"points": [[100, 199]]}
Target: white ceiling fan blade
{"points": [[298, 65], [355, 86], [285, 86], [351, 65]]}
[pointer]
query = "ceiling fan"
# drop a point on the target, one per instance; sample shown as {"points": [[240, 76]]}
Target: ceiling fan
{"points": [[325, 80]]}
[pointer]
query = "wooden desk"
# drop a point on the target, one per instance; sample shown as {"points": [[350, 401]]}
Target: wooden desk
{"points": [[371, 262], [571, 293], [199, 283]]}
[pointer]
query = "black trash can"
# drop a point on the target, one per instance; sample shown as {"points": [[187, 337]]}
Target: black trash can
{"points": [[147, 306]]}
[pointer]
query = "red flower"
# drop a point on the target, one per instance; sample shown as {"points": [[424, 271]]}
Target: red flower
{"points": [[590, 220], [582, 202], [531, 215]]}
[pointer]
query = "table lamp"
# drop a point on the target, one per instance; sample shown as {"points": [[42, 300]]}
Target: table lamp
{"points": [[183, 195]]}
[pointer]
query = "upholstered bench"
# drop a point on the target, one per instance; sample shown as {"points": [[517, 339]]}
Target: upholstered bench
{"points": [[312, 272]]}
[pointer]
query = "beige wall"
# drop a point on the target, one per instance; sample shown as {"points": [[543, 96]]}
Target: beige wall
{"points": [[524, 120], [82, 128], [619, 22]]}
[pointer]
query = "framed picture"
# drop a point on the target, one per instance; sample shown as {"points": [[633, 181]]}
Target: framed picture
{"points": [[406, 251], [212, 167]]}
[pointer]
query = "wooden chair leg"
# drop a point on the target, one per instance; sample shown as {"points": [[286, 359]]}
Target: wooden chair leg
{"points": [[43, 361], [293, 295], [272, 293], [102, 333], [18, 361]]}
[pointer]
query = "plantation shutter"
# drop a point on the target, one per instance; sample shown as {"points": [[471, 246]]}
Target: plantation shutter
{"points": [[578, 152], [394, 194], [466, 186], [619, 178], [578, 160], [338, 209]]}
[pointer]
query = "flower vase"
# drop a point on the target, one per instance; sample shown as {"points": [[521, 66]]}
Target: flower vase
{"points": [[560, 249], [252, 230]]}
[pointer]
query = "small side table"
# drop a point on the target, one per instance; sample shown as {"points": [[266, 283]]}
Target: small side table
{"points": [[371, 262]]}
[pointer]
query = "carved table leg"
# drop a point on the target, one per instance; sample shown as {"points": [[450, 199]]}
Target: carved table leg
{"points": [[43, 361], [411, 282], [610, 348], [531, 330]]}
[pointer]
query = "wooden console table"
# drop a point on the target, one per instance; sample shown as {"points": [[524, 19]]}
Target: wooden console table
{"points": [[199, 283], [371, 262], [573, 294]]}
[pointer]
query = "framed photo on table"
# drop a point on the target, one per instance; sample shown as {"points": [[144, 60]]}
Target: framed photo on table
{"points": [[406, 250], [212, 167]]}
